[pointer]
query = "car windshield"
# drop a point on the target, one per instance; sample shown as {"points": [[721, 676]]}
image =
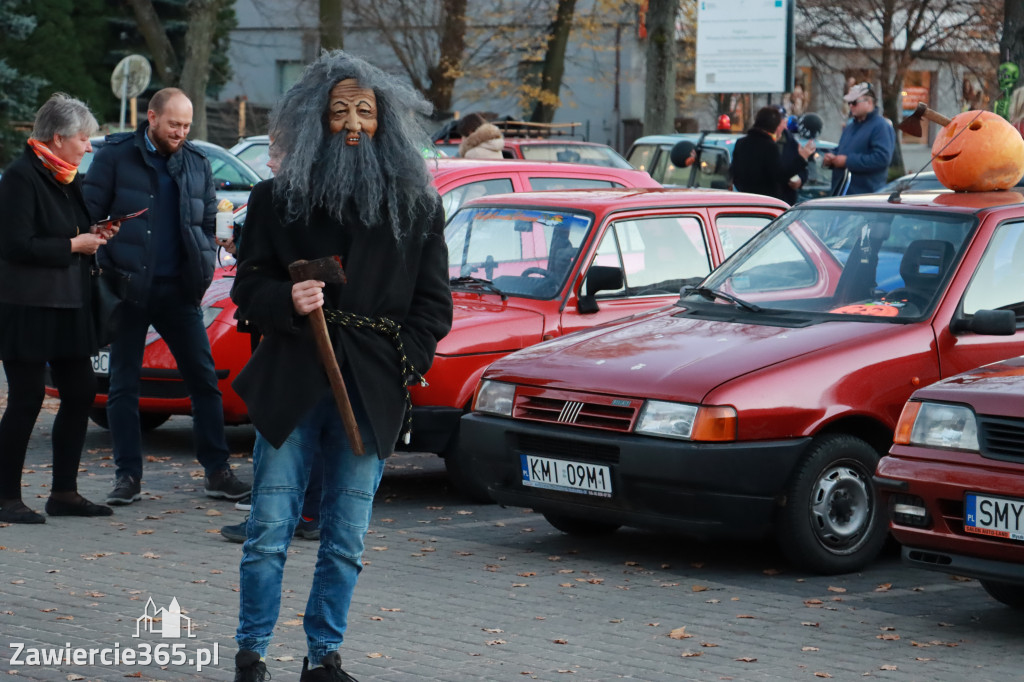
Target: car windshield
{"points": [[592, 155], [518, 251], [886, 265]]}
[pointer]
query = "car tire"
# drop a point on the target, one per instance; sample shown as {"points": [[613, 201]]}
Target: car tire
{"points": [[461, 474], [147, 420], [1007, 593], [831, 520], [580, 527]]}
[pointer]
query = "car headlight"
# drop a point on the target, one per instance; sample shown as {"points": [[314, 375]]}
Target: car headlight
{"points": [[687, 422], [938, 425], [495, 397]]}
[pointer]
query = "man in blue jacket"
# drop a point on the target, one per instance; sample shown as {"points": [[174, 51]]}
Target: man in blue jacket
{"points": [[168, 256], [865, 147]]}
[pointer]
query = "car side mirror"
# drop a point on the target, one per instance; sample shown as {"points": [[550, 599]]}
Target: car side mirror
{"points": [[599, 278], [986, 322]]}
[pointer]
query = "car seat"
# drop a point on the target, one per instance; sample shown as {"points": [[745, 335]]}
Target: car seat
{"points": [[924, 264]]}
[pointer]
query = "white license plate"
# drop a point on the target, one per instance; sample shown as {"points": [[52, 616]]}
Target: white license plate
{"points": [[101, 363], [999, 517], [572, 477]]}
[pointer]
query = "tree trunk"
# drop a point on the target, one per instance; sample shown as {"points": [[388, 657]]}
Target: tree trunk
{"points": [[152, 30], [331, 25], [195, 73], [660, 84], [453, 43], [1011, 45], [554, 63], [891, 73]]}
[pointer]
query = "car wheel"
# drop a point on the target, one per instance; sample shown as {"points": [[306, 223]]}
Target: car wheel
{"points": [[581, 527], [459, 465], [831, 521], [1008, 593]]}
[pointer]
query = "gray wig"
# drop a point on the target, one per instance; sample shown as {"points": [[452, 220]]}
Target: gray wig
{"points": [[385, 179], [63, 115]]}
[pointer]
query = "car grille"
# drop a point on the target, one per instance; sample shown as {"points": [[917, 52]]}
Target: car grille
{"points": [[576, 409], [1001, 438]]}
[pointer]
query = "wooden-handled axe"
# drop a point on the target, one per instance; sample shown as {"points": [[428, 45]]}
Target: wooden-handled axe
{"points": [[329, 270], [911, 125]]}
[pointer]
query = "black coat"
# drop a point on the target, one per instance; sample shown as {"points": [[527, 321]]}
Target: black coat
{"points": [[789, 157], [44, 293], [405, 281], [757, 166], [121, 180]]}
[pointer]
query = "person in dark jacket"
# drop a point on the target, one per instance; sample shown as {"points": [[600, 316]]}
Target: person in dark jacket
{"points": [[352, 186], [168, 256], [789, 153], [757, 166], [46, 248], [866, 146]]}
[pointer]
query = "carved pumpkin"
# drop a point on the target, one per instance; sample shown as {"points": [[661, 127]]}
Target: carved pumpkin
{"points": [[978, 151]]}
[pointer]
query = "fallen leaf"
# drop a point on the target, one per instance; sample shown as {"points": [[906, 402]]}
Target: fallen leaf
{"points": [[744, 615], [496, 641], [809, 648], [884, 587], [819, 674], [213, 512], [526, 574], [390, 610], [294, 621], [836, 589], [679, 633], [493, 631], [746, 659], [699, 588], [887, 667], [375, 655], [708, 645], [284, 659], [560, 641], [691, 654], [810, 624], [888, 636]]}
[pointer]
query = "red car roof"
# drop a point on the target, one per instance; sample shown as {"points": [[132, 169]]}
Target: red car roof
{"points": [[599, 200]]}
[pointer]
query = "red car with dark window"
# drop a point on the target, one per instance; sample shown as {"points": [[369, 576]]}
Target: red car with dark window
{"points": [[953, 483], [163, 392], [762, 400]]}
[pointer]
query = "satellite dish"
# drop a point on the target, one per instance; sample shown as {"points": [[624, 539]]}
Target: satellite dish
{"points": [[131, 76]]}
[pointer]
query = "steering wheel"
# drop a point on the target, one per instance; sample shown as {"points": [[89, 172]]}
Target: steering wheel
{"points": [[911, 296], [536, 271]]}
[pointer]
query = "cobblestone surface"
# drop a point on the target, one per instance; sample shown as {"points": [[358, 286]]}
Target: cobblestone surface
{"points": [[456, 591]]}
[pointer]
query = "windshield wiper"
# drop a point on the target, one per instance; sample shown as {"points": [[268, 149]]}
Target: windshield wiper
{"points": [[477, 281], [711, 294]]}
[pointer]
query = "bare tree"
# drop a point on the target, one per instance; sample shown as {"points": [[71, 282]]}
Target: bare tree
{"points": [[554, 62], [191, 74], [660, 100], [891, 34]]}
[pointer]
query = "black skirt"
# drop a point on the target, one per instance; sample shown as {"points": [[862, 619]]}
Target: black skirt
{"points": [[33, 334]]}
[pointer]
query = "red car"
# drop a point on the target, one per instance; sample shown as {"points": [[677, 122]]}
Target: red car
{"points": [[162, 391], [954, 480], [529, 267], [763, 398]]}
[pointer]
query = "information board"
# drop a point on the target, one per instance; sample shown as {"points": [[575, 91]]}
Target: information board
{"points": [[744, 46]]}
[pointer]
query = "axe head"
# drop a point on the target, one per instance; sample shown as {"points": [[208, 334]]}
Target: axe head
{"points": [[327, 269], [911, 125]]}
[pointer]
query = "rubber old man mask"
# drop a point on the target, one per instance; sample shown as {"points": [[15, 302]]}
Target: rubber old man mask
{"points": [[353, 110]]}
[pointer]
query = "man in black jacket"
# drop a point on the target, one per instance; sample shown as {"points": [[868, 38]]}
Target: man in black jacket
{"points": [[168, 256], [757, 165], [352, 185]]}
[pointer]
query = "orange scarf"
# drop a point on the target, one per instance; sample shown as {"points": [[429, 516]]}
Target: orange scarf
{"points": [[62, 170]]}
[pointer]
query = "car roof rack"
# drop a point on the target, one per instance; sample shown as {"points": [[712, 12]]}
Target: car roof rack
{"points": [[530, 129]]}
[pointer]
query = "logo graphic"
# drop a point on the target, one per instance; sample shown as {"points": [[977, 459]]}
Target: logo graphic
{"points": [[165, 622]]}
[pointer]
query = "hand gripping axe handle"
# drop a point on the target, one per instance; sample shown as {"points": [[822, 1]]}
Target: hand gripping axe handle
{"points": [[329, 270]]}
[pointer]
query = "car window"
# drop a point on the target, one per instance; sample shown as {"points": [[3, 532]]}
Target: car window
{"points": [[454, 198], [571, 183], [657, 255], [879, 263], [523, 252], [712, 173], [998, 283], [256, 156], [592, 155], [640, 156], [228, 171], [735, 230]]}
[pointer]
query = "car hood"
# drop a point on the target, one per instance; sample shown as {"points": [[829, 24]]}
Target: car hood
{"points": [[674, 356], [996, 389], [482, 326]]}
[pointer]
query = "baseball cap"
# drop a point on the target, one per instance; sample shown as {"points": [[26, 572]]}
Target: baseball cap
{"points": [[857, 91]]}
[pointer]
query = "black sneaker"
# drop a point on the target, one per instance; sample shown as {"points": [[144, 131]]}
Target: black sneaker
{"points": [[307, 529], [249, 667], [235, 533], [329, 670], [15, 511], [224, 485], [126, 490]]}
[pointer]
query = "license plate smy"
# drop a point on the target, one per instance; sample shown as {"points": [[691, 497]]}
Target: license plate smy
{"points": [[999, 517], [572, 477]]}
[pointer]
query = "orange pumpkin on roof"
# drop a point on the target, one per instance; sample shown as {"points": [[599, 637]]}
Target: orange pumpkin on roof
{"points": [[978, 151]]}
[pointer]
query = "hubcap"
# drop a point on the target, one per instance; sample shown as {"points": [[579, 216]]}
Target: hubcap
{"points": [[840, 507]]}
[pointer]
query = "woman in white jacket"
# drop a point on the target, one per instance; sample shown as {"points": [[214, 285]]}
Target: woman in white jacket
{"points": [[480, 139]]}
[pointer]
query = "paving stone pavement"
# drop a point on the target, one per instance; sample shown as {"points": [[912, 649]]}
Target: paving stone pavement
{"points": [[456, 591]]}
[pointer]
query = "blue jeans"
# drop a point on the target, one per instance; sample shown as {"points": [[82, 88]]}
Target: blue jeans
{"points": [[280, 476], [180, 323]]}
